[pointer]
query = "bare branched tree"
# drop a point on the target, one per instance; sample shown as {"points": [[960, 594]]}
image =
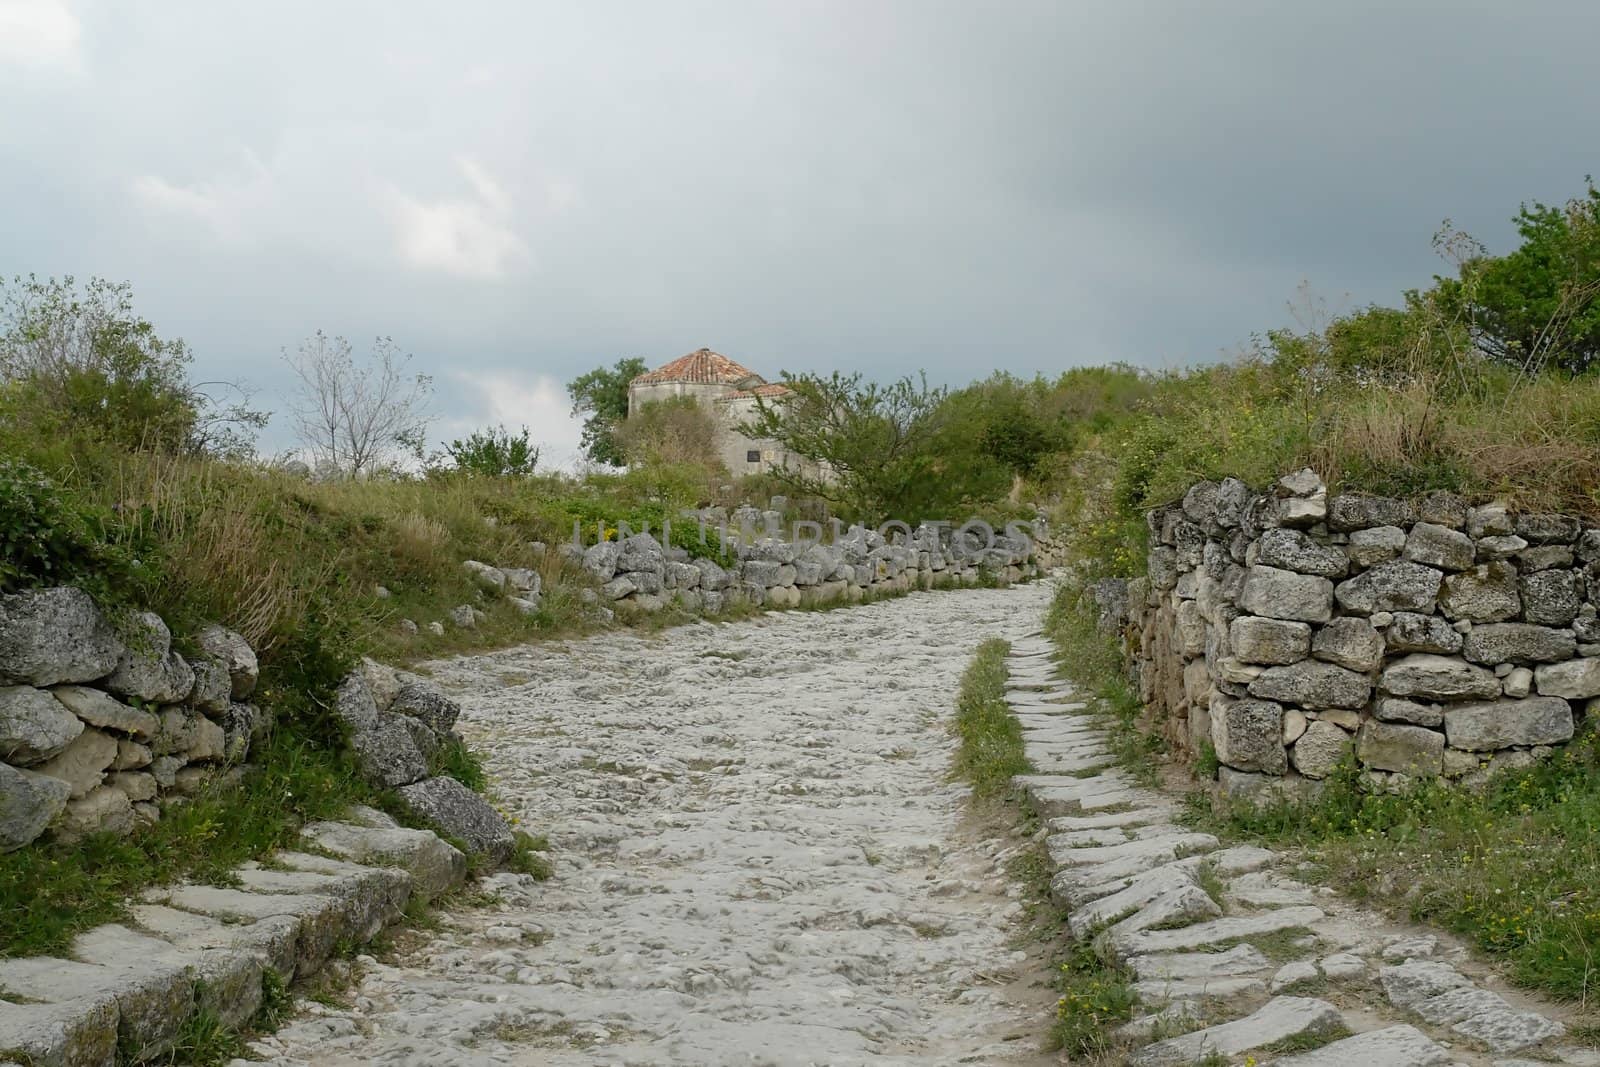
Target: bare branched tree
{"points": [[358, 417]]}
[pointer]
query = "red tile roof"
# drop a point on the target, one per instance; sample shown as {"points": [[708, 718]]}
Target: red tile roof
{"points": [[701, 366]]}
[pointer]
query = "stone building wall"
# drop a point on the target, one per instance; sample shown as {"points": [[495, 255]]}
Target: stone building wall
{"points": [[1428, 637]]}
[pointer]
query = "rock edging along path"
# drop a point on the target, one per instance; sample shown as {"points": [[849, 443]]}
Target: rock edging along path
{"points": [[760, 858], [127, 990], [1266, 962]]}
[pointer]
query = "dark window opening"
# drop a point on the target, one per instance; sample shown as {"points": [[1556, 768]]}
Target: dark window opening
{"points": [[752, 456]]}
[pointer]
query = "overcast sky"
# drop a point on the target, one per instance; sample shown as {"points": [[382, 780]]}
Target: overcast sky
{"points": [[519, 191]]}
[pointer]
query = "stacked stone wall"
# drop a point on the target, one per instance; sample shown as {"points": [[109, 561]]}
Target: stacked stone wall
{"points": [[1425, 638]]}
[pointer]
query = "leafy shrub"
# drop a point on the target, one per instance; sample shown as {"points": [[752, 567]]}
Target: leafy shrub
{"points": [[48, 539]]}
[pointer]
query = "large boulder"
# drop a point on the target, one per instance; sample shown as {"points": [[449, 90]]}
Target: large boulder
{"points": [[1552, 597], [1293, 550], [1438, 678], [461, 815], [1576, 679], [236, 655], [34, 725], [213, 685], [1439, 546], [1487, 593], [1349, 642], [1248, 734], [1312, 684], [1412, 750], [1493, 643], [148, 669], [29, 802], [1410, 631], [1319, 749], [51, 636], [1398, 585], [1281, 594], [1500, 724], [1268, 641]]}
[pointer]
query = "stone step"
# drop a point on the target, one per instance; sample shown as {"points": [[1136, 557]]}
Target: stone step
{"points": [[1216, 992], [1214, 932], [1279, 1019], [1443, 996], [1395, 1046], [1163, 847], [1237, 961], [1135, 817], [128, 992], [1123, 898]]}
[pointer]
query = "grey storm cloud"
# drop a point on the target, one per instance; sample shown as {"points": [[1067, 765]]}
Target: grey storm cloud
{"points": [[517, 192]]}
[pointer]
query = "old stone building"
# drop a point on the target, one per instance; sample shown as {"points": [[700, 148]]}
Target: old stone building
{"points": [[730, 390]]}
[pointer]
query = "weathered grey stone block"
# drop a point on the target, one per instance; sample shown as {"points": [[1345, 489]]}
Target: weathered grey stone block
{"points": [[1312, 684], [1293, 550], [1358, 511], [1487, 593], [148, 669], [51, 636], [1349, 642], [1438, 678], [236, 655], [1498, 546], [1409, 631], [1518, 642], [1280, 594], [1549, 529], [1439, 546], [1394, 709], [1411, 750], [1499, 724], [1248, 734], [28, 803], [33, 725], [388, 755], [1255, 639], [1368, 548], [1576, 679], [1399, 585], [457, 812], [1552, 597], [82, 764], [1319, 750]]}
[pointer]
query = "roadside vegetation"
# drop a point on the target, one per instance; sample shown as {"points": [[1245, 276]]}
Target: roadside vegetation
{"points": [[1485, 383]]}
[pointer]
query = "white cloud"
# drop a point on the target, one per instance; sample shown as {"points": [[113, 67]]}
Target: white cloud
{"points": [[514, 400], [40, 33], [470, 238], [225, 206]]}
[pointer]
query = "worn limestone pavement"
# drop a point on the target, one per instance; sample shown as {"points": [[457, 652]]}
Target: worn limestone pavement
{"points": [[1267, 964], [760, 859], [126, 991]]}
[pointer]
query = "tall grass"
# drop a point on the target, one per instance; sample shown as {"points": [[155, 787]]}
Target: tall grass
{"points": [[991, 751]]}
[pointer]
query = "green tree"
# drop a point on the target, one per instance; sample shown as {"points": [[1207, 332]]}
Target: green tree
{"points": [[83, 359], [492, 453], [676, 430], [602, 397], [1539, 306], [877, 446]]}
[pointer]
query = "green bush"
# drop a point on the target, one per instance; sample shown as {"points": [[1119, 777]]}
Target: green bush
{"points": [[47, 538]]}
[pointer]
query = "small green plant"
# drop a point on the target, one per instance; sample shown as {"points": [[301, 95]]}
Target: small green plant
{"points": [[1095, 999], [991, 751], [455, 760], [276, 1002], [204, 1041], [529, 857]]}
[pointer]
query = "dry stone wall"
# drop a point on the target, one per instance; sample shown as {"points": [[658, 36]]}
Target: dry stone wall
{"points": [[638, 574], [101, 725], [1429, 638]]}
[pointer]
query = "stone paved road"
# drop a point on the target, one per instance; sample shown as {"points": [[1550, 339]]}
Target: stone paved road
{"points": [[760, 858]]}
